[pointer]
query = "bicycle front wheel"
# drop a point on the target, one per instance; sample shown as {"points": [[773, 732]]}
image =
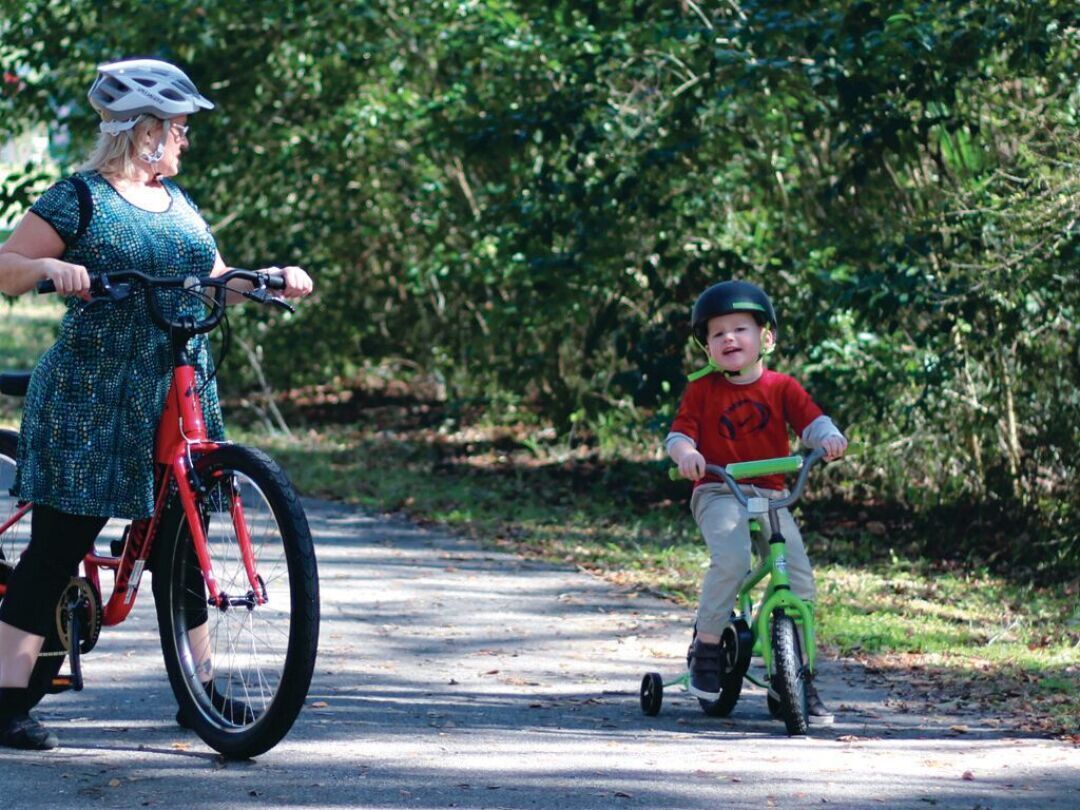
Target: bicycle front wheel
{"points": [[788, 679], [240, 669]]}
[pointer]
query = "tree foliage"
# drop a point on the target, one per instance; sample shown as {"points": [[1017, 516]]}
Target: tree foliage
{"points": [[524, 198]]}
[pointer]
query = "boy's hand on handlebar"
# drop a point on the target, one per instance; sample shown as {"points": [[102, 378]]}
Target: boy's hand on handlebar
{"points": [[692, 465], [834, 447], [297, 282]]}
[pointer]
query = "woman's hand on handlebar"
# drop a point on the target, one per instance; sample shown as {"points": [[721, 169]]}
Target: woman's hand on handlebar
{"points": [[297, 282], [67, 278]]}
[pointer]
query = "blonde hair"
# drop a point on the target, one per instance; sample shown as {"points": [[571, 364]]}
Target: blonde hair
{"points": [[115, 155]]}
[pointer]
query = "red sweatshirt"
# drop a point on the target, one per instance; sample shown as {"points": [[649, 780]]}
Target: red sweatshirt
{"points": [[729, 422]]}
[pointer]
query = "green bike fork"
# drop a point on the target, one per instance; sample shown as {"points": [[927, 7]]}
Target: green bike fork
{"points": [[778, 596]]}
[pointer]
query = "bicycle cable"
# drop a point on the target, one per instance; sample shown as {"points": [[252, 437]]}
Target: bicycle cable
{"points": [[207, 299]]}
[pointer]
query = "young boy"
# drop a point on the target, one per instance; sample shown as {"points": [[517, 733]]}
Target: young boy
{"points": [[737, 410]]}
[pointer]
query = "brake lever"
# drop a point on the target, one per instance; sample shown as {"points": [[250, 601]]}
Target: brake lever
{"points": [[106, 289], [262, 296]]}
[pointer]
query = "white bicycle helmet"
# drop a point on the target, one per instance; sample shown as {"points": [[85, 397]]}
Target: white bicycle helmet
{"points": [[129, 88]]}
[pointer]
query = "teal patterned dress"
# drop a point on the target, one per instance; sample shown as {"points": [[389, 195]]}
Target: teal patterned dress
{"points": [[91, 413]]}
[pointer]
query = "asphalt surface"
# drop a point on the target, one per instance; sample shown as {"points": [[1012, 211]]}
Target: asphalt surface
{"points": [[450, 676]]}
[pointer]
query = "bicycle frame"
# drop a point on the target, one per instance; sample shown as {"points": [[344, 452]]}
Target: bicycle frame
{"points": [[778, 592], [777, 595], [181, 434]]}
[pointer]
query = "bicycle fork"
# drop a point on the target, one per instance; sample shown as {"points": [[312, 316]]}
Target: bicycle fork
{"points": [[188, 483], [778, 596]]}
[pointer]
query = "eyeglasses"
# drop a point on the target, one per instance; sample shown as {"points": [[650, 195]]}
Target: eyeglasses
{"points": [[180, 129]]}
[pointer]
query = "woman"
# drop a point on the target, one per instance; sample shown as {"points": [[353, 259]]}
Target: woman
{"points": [[85, 451]]}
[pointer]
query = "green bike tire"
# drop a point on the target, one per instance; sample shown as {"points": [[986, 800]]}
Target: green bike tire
{"points": [[788, 678], [730, 690]]}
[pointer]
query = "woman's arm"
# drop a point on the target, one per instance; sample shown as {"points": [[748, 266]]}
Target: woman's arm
{"points": [[32, 253]]}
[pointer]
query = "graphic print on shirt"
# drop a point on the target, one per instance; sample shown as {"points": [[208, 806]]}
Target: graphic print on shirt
{"points": [[744, 418]]}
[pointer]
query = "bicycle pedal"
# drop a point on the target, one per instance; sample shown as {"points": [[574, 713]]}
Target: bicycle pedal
{"points": [[61, 683]]}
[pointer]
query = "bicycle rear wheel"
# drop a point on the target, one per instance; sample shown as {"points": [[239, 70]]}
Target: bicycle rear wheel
{"points": [[788, 679], [14, 540], [12, 544], [259, 657]]}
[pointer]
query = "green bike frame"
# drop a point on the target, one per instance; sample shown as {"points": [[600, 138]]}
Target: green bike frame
{"points": [[778, 594]]}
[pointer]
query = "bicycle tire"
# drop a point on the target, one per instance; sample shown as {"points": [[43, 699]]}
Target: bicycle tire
{"points": [[730, 690], [736, 641], [263, 655], [788, 677], [12, 544]]}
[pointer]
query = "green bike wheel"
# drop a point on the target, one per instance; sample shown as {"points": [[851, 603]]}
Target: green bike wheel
{"points": [[730, 690], [736, 643], [788, 678]]}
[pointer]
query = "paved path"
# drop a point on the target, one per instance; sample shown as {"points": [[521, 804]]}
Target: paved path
{"points": [[450, 676]]}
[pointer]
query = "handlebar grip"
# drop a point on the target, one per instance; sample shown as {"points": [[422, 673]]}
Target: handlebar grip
{"points": [[768, 466], [46, 286], [275, 283]]}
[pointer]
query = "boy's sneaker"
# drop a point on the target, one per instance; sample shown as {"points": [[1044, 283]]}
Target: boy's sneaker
{"points": [[24, 732], [705, 670], [818, 714]]}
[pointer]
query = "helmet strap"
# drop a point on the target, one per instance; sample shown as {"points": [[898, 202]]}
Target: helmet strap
{"points": [[768, 347], [116, 127], [159, 152]]}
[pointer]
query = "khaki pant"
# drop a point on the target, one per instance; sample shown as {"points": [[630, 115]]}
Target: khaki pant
{"points": [[723, 523]]}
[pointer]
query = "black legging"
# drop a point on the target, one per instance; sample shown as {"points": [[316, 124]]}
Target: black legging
{"points": [[58, 542]]}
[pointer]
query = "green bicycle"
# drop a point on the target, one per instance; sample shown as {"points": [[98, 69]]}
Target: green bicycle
{"points": [[772, 631]]}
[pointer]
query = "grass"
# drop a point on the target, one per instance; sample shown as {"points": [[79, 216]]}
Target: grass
{"points": [[935, 629]]}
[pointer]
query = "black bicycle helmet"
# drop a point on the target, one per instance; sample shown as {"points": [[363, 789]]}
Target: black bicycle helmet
{"points": [[728, 297]]}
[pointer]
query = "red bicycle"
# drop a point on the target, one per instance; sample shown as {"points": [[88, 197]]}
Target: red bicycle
{"points": [[233, 567]]}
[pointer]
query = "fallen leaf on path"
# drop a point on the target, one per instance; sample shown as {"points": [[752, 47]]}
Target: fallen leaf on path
{"points": [[959, 729]]}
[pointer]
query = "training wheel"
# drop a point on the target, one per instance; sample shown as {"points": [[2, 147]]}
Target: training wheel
{"points": [[652, 693]]}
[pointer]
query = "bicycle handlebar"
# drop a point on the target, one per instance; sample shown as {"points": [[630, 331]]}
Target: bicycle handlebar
{"points": [[733, 473], [115, 286]]}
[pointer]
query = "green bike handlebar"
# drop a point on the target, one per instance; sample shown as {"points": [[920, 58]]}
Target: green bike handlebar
{"points": [[754, 469], [768, 466]]}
